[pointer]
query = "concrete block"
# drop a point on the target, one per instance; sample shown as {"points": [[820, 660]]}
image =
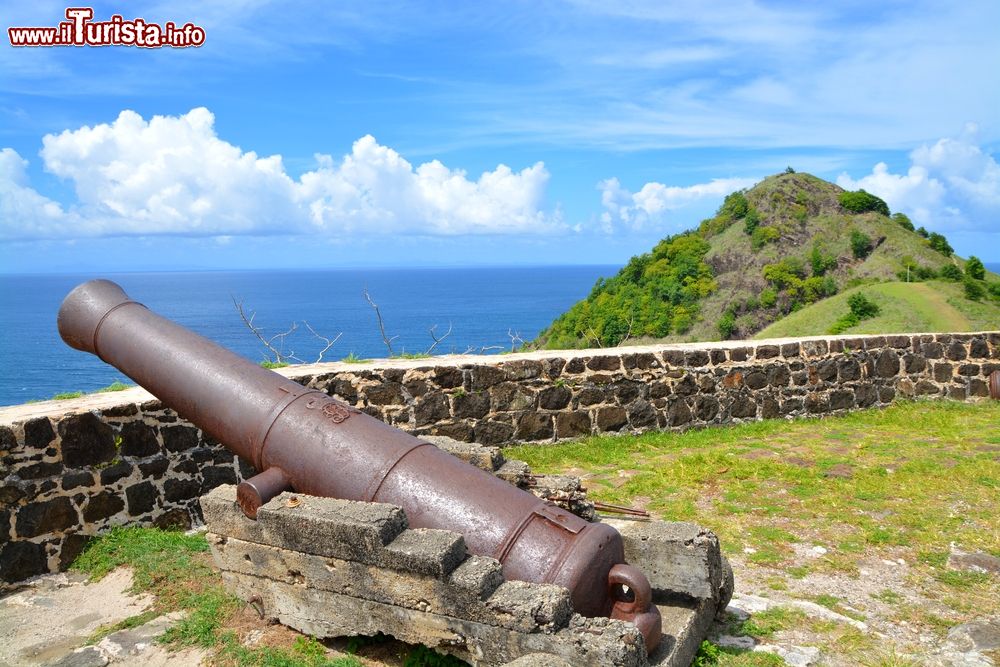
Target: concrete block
{"points": [[425, 551], [680, 559]]}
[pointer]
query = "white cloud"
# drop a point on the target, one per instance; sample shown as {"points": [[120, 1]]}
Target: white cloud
{"points": [[952, 184], [174, 175], [32, 212], [651, 204]]}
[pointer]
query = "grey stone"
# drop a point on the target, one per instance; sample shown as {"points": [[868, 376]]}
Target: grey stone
{"points": [[49, 516], [141, 498], [138, 439], [678, 558], [179, 438], [611, 419], [471, 405], [605, 363], [89, 656], [86, 440], [978, 635], [572, 424], [539, 660], [431, 408], [978, 561], [115, 472], [534, 426], [102, 506], [38, 433], [425, 551], [20, 560]]}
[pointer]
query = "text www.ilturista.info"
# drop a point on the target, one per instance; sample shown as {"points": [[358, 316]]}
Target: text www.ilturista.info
{"points": [[81, 30]]}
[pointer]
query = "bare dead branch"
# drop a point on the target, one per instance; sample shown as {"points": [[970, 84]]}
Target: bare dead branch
{"points": [[515, 338], [279, 355], [381, 325], [436, 339], [486, 348], [628, 334], [592, 335], [329, 341]]}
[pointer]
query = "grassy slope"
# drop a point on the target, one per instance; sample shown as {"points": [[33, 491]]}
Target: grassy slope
{"points": [[905, 307]]}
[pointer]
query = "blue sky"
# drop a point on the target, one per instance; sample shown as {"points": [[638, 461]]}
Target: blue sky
{"points": [[410, 134]]}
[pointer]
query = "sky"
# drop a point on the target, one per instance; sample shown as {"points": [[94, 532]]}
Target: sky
{"points": [[356, 134]]}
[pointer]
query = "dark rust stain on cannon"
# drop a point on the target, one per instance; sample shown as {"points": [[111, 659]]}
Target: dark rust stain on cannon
{"points": [[304, 440]]}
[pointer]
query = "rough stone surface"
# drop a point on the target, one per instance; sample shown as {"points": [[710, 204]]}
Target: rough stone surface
{"points": [[677, 558]]}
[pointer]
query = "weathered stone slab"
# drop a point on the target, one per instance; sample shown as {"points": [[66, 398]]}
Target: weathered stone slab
{"points": [[597, 642], [679, 559]]}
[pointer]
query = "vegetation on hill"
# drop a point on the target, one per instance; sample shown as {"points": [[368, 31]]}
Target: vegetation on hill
{"points": [[791, 241]]}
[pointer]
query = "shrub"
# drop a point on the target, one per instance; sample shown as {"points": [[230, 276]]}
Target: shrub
{"points": [[862, 202], [993, 289], [727, 324], [951, 272], [903, 221], [751, 221], [922, 232], [861, 306], [789, 170], [974, 290], [762, 236], [735, 205], [974, 268], [769, 297], [821, 262], [861, 244], [940, 243]]}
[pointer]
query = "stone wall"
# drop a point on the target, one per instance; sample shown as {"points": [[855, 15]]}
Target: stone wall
{"points": [[74, 468]]}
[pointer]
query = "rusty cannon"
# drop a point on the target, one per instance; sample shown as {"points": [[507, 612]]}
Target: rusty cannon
{"points": [[303, 440]]}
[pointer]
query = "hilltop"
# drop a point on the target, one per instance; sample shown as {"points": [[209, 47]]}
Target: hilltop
{"points": [[791, 241]]}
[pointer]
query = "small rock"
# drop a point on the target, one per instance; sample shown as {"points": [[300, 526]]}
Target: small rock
{"points": [[749, 550], [738, 643], [973, 561], [818, 550], [84, 657], [982, 635]]}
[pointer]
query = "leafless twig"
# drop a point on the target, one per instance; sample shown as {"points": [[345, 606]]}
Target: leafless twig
{"points": [[486, 348], [628, 334], [436, 339], [278, 352], [329, 341], [515, 338], [381, 325], [592, 335]]}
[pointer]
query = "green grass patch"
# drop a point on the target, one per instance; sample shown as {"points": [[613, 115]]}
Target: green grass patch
{"points": [[271, 365], [125, 624]]}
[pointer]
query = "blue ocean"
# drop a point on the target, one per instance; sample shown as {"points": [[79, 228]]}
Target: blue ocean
{"points": [[484, 307]]}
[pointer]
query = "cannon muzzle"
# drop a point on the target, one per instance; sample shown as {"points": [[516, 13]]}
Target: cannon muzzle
{"points": [[303, 440]]}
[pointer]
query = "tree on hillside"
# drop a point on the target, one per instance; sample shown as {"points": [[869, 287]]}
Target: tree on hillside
{"points": [[903, 221], [940, 243], [861, 244], [862, 202], [974, 268]]}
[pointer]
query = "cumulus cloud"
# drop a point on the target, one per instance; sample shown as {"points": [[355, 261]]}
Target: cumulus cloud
{"points": [[651, 204], [174, 175], [952, 184]]}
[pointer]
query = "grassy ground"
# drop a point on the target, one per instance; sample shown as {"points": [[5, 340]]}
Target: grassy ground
{"points": [[930, 306], [856, 513]]}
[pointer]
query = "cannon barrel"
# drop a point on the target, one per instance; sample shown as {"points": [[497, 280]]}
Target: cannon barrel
{"points": [[304, 440]]}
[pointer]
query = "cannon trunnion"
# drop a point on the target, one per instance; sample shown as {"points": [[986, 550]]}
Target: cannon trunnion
{"points": [[303, 440]]}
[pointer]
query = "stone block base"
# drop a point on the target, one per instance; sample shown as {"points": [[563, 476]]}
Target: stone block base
{"points": [[334, 568]]}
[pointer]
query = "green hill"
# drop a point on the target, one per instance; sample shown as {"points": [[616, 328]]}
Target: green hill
{"points": [[789, 246]]}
